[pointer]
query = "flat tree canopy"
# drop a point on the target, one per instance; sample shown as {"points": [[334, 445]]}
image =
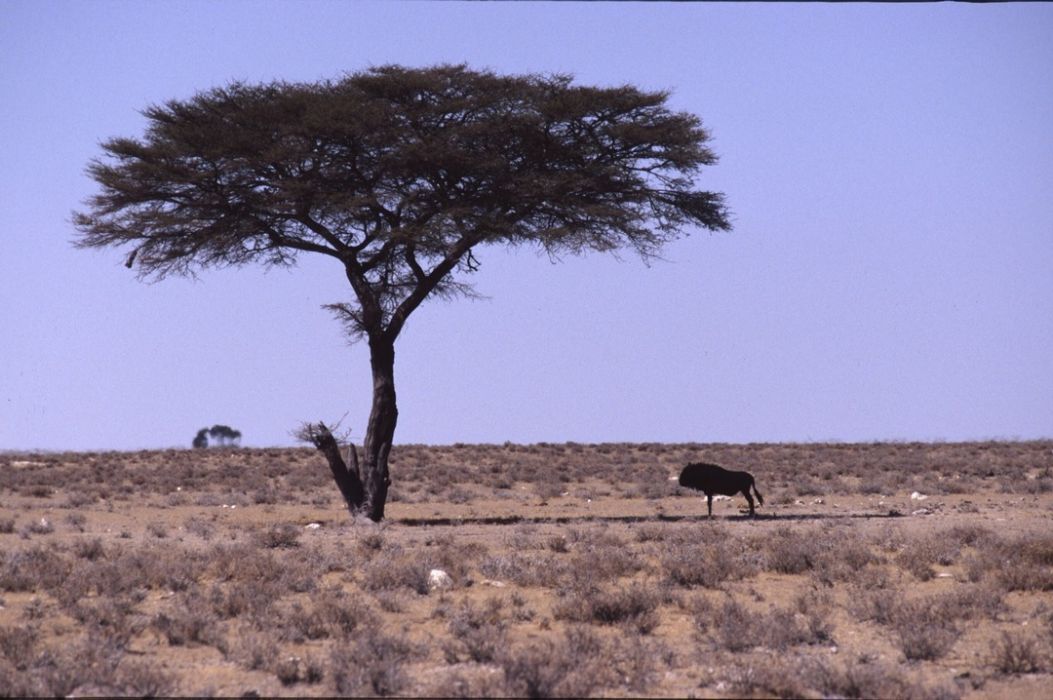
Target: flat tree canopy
{"points": [[398, 174]]}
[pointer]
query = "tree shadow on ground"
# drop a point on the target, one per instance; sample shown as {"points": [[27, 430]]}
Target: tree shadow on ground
{"points": [[657, 517]]}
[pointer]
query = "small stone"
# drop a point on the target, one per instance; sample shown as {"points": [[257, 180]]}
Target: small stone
{"points": [[437, 578]]}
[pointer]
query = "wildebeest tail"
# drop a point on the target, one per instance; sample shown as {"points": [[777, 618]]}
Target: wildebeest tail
{"points": [[760, 498]]}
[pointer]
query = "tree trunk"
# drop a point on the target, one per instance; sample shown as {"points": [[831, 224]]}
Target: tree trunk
{"points": [[380, 431]]}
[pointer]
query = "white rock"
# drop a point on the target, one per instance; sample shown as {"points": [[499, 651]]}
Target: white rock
{"points": [[437, 578], [722, 498], [312, 526], [918, 496]]}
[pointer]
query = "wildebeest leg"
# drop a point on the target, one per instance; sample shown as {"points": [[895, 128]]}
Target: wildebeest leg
{"points": [[709, 503], [749, 499]]}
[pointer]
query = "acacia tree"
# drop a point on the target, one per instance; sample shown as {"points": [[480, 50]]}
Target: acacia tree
{"points": [[398, 175]]}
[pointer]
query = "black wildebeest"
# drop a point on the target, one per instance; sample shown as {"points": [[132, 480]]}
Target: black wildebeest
{"points": [[711, 479]]}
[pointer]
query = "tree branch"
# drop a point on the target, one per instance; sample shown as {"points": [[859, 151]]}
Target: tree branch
{"points": [[427, 285]]}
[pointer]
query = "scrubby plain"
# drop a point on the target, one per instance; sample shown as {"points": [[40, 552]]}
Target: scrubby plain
{"points": [[873, 570]]}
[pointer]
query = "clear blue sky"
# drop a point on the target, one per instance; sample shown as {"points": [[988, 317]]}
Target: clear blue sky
{"points": [[890, 274]]}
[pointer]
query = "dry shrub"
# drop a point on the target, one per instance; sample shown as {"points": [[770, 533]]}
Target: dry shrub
{"points": [[971, 602], [635, 661], [970, 535], [570, 667], [796, 677], [594, 564], [1017, 653], [156, 566], [524, 568], [558, 544], [924, 631], [792, 551], [18, 645], [654, 488], [295, 669], [650, 532], [201, 528], [706, 564], [191, 620], [77, 521], [92, 549], [253, 648], [921, 554], [1026, 563], [35, 569], [392, 570], [775, 677], [735, 628], [479, 632], [243, 562], [864, 678], [283, 536], [1017, 564], [266, 495], [143, 679], [466, 683], [549, 489], [828, 554], [455, 558], [815, 607], [879, 605], [635, 606], [87, 666], [237, 599], [373, 665], [105, 576], [109, 618], [372, 541], [333, 614]]}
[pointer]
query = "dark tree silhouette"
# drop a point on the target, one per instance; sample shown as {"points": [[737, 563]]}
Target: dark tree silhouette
{"points": [[399, 175], [224, 435]]}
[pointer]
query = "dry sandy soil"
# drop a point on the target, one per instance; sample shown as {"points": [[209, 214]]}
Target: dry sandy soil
{"points": [[572, 570]]}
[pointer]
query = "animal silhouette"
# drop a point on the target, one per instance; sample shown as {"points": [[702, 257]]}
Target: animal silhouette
{"points": [[712, 479]]}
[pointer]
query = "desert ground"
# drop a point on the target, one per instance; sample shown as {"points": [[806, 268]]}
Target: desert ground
{"points": [[872, 570]]}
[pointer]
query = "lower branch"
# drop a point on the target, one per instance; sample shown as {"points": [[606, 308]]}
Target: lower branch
{"points": [[347, 479]]}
